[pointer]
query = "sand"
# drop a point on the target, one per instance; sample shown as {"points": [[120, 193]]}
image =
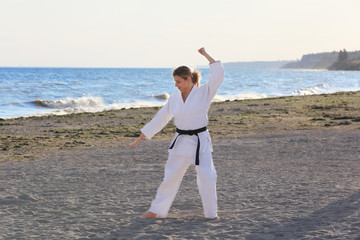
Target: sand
{"points": [[296, 181]]}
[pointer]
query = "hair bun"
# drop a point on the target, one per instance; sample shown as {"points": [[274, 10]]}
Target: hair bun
{"points": [[196, 77]]}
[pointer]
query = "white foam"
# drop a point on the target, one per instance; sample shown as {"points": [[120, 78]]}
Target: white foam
{"points": [[317, 89], [83, 104], [242, 96], [115, 106], [218, 98]]}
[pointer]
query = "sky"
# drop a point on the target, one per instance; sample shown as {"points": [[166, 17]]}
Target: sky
{"points": [[167, 33]]}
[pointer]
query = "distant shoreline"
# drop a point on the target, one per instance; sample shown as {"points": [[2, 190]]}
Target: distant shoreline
{"points": [[335, 61]]}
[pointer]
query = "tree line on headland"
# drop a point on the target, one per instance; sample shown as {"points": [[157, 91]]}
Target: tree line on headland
{"points": [[342, 60]]}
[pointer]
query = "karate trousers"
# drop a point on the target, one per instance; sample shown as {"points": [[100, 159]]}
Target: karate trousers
{"points": [[175, 169]]}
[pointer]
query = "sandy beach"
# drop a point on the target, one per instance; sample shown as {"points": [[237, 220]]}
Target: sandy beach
{"points": [[288, 168]]}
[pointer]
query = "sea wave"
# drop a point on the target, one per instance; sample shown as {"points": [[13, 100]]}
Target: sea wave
{"points": [[83, 104], [78, 105], [12, 103], [317, 89], [164, 96]]}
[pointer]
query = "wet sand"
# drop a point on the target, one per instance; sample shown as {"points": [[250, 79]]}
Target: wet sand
{"points": [[288, 168]]}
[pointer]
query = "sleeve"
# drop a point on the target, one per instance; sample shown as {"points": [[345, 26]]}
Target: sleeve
{"points": [[216, 77], [162, 117]]}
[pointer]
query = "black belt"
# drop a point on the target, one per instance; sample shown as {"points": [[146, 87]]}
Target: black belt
{"points": [[190, 132]]}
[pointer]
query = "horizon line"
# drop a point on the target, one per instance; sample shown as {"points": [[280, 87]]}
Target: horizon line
{"points": [[103, 67]]}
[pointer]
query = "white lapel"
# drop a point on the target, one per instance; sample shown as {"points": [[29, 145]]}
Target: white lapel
{"points": [[190, 96]]}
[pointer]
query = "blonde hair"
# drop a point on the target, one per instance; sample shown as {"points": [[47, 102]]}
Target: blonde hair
{"points": [[185, 72]]}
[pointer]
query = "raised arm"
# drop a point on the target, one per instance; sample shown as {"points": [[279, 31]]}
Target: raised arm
{"points": [[203, 52], [216, 74]]}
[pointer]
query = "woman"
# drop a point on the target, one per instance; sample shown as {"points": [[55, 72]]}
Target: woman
{"points": [[192, 143]]}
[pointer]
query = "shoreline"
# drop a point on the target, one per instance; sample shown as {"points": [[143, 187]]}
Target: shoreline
{"points": [[26, 138], [127, 106]]}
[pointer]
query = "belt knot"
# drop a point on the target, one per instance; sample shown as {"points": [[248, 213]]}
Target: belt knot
{"points": [[190, 132]]}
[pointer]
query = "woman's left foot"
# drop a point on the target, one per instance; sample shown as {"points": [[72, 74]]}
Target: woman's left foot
{"points": [[215, 218], [149, 215]]}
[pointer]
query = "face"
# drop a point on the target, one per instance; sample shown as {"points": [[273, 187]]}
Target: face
{"points": [[183, 84]]}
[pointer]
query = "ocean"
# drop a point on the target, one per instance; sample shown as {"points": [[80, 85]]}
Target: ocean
{"points": [[42, 91]]}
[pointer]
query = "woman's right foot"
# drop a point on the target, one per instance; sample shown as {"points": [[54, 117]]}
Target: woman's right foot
{"points": [[149, 215]]}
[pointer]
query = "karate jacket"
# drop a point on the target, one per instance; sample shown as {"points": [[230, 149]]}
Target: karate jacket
{"points": [[189, 115]]}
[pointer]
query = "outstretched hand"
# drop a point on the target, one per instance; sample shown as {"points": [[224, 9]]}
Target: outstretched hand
{"points": [[142, 136]]}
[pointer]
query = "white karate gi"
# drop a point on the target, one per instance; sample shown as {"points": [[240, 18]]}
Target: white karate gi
{"points": [[188, 115]]}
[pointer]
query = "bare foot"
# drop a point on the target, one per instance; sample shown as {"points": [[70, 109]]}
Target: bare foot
{"points": [[215, 218], [149, 215]]}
